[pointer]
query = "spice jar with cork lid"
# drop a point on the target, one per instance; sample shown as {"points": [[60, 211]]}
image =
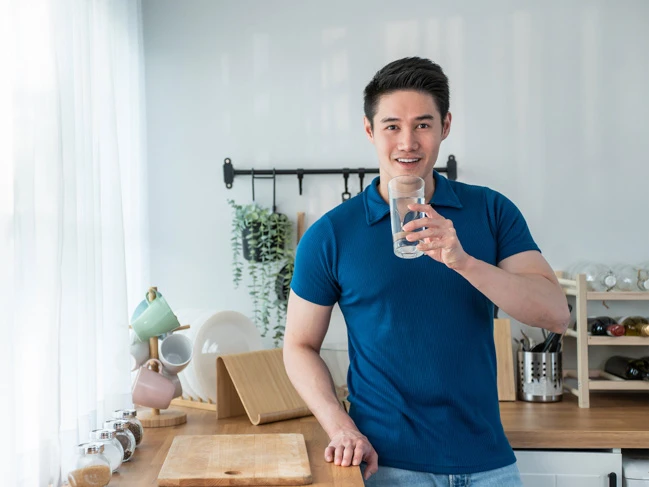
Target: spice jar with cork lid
{"points": [[92, 468], [134, 424], [113, 449], [123, 435]]}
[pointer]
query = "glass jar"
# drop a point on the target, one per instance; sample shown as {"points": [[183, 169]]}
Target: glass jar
{"points": [[113, 449], [631, 278], [92, 468], [123, 435], [134, 424], [599, 277]]}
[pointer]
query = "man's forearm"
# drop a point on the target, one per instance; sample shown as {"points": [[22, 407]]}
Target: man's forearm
{"points": [[529, 298], [312, 380]]}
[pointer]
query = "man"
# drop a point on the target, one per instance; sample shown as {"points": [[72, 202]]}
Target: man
{"points": [[422, 378]]}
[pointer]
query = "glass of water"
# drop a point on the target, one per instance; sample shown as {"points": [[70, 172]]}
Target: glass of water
{"points": [[404, 191]]}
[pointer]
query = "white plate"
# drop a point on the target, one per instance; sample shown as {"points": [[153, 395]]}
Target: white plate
{"points": [[195, 318], [222, 333], [191, 375]]}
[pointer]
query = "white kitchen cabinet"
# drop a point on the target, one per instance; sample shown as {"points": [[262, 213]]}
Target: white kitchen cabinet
{"points": [[538, 479], [551, 468], [585, 480]]}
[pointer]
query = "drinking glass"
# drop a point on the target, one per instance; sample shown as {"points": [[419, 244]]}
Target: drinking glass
{"points": [[404, 191]]}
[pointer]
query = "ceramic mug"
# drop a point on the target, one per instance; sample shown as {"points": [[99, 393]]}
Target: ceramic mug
{"points": [[152, 389], [139, 352], [155, 318], [175, 352], [178, 391]]}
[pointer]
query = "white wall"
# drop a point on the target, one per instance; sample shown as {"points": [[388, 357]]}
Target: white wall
{"points": [[549, 103]]}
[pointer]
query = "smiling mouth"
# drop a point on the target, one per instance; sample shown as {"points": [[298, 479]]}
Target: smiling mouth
{"points": [[408, 160]]}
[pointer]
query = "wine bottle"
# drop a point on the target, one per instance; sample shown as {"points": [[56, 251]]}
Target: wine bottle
{"points": [[604, 325], [641, 363], [625, 368], [633, 325], [644, 330]]}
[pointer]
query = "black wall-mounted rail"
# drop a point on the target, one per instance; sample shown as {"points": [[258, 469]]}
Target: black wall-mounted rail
{"points": [[229, 172]]}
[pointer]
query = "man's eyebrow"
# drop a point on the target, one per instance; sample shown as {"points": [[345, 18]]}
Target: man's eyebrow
{"points": [[396, 119]]}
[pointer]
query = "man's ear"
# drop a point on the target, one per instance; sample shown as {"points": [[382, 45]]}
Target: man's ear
{"points": [[368, 129], [446, 129]]}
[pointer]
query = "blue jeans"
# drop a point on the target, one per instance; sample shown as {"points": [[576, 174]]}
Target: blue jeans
{"points": [[395, 477]]}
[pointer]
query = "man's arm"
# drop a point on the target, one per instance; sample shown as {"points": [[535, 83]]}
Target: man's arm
{"points": [[306, 326], [523, 285]]}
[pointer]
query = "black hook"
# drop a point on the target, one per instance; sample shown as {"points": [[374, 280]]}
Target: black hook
{"points": [[300, 175], [252, 173], [361, 176], [346, 195], [228, 172], [274, 179]]}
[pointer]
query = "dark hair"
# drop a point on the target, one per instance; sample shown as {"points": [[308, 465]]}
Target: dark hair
{"points": [[410, 73]]}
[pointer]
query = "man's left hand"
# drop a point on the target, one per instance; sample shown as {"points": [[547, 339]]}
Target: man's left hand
{"points": [[439, 239]]}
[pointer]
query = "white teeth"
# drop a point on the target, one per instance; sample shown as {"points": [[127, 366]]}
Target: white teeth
{"points": [[407, 160]]}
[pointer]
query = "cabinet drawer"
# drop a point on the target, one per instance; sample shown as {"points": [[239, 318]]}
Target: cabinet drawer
{"points": [[549, 468]]}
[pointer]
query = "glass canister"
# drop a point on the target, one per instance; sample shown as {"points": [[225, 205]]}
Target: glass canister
{"points": [[134, 424], [123, 435], [113, 449], [92, 468]]}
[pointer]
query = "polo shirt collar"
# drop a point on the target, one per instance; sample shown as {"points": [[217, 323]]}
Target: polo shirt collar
{"points": [[376, 208]]}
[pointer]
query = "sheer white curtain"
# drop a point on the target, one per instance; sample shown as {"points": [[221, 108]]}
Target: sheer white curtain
{"points": [[73, 224]]}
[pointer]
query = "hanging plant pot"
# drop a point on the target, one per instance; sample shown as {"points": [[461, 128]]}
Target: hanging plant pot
{"points": [[261, 248], [254, 245], [253, 254], [283, 282]]}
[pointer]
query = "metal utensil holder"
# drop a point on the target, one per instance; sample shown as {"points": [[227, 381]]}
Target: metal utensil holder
{"points": [[540, 377]]}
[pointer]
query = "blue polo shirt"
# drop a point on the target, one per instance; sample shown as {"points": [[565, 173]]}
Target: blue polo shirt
{"points": [[422, 375]]}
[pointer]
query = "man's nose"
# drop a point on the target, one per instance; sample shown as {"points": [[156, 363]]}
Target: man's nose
{"points": [[408, 141]]}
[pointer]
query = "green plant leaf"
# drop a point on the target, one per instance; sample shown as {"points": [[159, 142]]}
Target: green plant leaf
{"points": [[268, 236]]}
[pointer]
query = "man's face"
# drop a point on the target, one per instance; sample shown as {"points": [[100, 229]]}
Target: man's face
{"points": [[407, 133]]}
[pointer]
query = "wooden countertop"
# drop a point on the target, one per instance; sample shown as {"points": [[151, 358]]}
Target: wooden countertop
{"points": [[147, 461], [618, 420]]}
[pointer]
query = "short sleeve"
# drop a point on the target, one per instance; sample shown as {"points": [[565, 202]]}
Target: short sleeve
{"points": [[512, 233], [315, 265]]}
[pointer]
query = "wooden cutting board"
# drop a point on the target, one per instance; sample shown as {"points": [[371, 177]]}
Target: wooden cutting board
{"points": [[504, 360], [214, 460]]}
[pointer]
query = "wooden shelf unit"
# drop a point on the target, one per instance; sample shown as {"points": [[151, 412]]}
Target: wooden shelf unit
{"points": [[597, 380]]}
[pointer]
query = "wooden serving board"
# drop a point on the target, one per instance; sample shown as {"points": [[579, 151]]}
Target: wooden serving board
{"points": [[256, 384], [214, 460], [504, 360]]}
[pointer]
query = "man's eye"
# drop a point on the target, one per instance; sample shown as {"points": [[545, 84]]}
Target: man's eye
{"points": [[391, 127], [423, 125]]}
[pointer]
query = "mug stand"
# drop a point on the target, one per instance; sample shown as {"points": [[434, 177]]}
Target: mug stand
{"points": [[156, 418]]}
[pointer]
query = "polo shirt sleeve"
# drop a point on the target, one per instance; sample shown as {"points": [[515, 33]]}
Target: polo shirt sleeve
{"points": [[314, 273], [510, 228]]}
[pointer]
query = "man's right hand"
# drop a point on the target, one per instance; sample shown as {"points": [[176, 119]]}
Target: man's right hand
{"points": [[350, 447]]}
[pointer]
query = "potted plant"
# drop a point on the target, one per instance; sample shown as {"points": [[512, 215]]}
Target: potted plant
{"points": [[261, 243]]}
